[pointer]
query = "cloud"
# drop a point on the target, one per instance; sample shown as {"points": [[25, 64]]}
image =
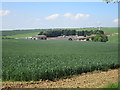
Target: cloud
{"points": [[116, 20], [76, 17], [79, 15], [4, 12], [67, 15], [52, 17]]}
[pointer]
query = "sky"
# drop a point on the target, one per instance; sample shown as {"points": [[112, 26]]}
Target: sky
{"points": [[35, 15]]}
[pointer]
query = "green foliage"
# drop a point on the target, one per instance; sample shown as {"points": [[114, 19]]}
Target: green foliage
{"points": [[100, 38], [113, 86], [58, 32], [92, 38], [89, 32], [66, 32], [26, 60], [87, 39]]}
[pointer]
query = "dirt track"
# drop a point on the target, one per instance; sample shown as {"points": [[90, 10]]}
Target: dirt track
{"points": [[88, 80]]}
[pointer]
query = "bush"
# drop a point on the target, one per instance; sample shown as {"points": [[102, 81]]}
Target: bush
{"points": [[100, 38]]}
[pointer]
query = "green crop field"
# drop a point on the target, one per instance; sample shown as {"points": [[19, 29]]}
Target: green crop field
{"points": [[26, 60], [105, 29], [21, 36], [113, 39], [110, 29], [17, 32]]}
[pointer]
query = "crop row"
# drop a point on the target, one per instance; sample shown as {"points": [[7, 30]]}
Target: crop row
{"points": [[26, 60]]}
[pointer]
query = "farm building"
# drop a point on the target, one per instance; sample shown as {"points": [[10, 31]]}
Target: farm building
{"points": [[77, 38], [93, 35], [38, 37], [71, 38], [82, 39], [41, 37]]}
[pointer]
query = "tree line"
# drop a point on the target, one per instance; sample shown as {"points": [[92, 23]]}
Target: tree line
{"points": [[55, 33]]}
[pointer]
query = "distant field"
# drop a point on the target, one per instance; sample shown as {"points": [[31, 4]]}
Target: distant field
{"points": [[113, 39], [20, 36], [105, 29], [17, 32], [110, 29], [26, 60]]}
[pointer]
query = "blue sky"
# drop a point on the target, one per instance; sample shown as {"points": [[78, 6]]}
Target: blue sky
{"points": [[34, 15]]}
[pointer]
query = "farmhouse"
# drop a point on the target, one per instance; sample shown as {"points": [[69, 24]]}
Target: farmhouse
{"points": [[82, 39], [71, 38], [93, 35], [77, 38], [38, 37], [41, 37]]}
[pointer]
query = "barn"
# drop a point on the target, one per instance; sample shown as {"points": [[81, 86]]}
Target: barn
{"points": [[41, 37], [82, 39]]}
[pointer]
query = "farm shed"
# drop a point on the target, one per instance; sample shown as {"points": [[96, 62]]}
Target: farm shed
{"points": [[82, 39], [41, 37], [37, 37], [77, 38]]}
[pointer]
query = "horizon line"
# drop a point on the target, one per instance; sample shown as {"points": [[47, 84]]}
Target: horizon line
{"points": [[55, 28]]}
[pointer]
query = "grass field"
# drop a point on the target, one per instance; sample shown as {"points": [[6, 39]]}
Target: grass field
{"points": [[26, 60], [21, 36], [113, 39], [17, 32], [105, 29], [110, 29]]}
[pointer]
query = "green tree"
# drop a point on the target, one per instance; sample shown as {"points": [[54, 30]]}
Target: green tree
{"points": [[87, 39], [92, 38], [100, 38]]}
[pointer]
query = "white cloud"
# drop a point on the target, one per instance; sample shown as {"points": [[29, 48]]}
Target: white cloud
{"points": [[79, 15], [4, 12], [116, 20], [67, 15], [52, 17], [76, 17]]}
